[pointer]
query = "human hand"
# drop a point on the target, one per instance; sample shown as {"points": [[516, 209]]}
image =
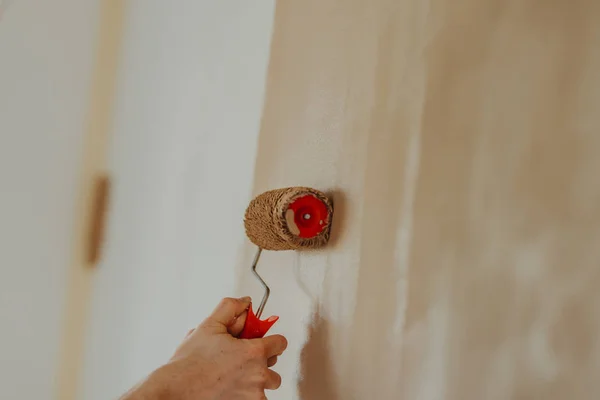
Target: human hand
{"points": [[212, 364]]}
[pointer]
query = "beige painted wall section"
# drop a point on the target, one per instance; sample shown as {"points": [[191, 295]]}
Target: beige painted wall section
{"points": [[460, 140], [98, 129]]}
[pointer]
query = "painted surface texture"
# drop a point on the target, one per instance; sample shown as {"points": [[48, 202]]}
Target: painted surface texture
{"points": [[460, 143]]}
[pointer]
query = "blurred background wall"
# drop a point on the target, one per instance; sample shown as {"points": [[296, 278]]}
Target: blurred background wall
{"points": [[187, 114], [182, 132], [46, 61]]}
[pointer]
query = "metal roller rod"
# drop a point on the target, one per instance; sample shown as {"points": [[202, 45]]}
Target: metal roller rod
{"points": [[267, 289]]}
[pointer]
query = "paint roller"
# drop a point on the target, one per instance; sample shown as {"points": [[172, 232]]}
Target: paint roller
{"points": [[293, 218]]}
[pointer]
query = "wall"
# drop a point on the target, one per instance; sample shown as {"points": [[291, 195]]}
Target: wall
{"points": [[459, 141], [46, 55], [187, 112]]}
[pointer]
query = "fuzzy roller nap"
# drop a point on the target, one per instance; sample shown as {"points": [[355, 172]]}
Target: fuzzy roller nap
{"points": [[289, 219], [293, 218]]}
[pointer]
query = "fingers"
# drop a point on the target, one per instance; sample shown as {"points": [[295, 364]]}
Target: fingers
{"points": [[238, 325], [227, 312], [271, 361], [274, 345], [273, 380]]}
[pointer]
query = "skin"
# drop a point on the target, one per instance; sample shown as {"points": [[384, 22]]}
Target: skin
{"points": [[213, 364]]}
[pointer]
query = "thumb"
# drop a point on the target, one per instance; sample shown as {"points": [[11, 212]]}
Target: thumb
{"points": [[227, 312]]}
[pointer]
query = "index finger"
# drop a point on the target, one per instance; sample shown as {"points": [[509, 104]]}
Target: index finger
{"points": [[275, 345], [225, 316]]}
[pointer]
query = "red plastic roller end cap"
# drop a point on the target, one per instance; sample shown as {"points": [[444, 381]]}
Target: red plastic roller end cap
{"points": [[310, 215]]}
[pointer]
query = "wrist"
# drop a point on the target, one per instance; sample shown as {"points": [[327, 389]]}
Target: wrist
{"points": [[157, 386]]}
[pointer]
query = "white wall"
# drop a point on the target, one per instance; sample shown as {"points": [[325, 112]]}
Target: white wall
{"points": [[189, 100], [46, 54]]}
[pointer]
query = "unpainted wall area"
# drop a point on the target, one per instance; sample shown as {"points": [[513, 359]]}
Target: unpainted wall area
{"points": [[459, 141], [187, 109]]}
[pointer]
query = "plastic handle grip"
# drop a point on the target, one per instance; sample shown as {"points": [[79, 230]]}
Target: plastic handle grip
{"points": [[254, 327]]}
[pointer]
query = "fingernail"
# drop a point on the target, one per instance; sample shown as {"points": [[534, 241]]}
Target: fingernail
{"points": [[246, 299]]}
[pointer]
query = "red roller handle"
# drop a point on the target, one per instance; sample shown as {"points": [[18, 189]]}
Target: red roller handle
{"points": [[254, 327]]}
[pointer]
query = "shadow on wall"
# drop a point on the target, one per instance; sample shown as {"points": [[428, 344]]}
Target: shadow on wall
{"points": [[316, 368], [338, 226]]}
